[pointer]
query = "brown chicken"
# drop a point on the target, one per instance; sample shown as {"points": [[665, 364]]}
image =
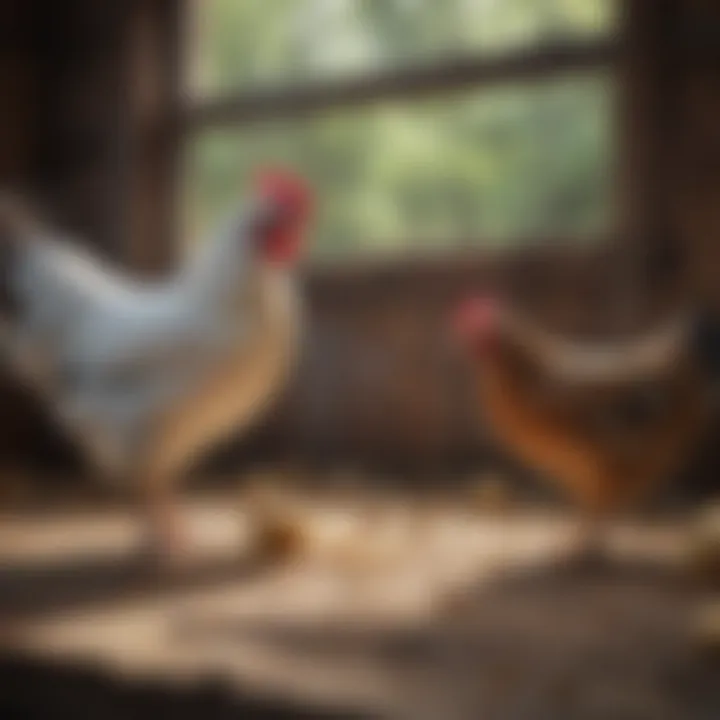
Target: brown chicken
{"points": [[606, 422]]}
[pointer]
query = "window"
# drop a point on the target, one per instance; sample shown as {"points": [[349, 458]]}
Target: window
{"points": [[423, 125]]}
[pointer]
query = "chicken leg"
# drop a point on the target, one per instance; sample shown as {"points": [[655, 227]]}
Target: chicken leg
{"points": [[165, 542], [587, 550]]}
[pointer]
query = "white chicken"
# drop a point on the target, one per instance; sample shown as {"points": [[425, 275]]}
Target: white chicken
{"points": [[148, 376]]}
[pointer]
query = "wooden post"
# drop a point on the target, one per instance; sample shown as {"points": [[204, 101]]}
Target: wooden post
{"points": [[152, 85], [649, 96]]}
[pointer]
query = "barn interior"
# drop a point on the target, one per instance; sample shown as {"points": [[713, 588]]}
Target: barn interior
{"points": [[404, 566]]}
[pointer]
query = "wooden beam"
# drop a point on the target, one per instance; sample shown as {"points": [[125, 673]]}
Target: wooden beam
{"points": [[650, 102], [450, 76], [152, 90], [18, 86]]}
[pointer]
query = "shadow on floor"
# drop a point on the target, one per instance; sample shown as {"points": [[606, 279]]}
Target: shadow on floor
{"points": [[43, 692], [527, 646], [32, 589]]}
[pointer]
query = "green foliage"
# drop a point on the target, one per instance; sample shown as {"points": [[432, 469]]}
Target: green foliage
{"points": [[498, 165]]}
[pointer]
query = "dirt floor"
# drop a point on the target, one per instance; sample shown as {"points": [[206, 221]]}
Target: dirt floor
{"points": [[356, 607]]}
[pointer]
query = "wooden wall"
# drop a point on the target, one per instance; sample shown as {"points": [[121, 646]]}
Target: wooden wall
{"points": [[17, 117], [381, 379]]}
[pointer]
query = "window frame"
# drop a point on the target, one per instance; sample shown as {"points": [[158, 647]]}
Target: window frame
{"points": [[185, 115]]}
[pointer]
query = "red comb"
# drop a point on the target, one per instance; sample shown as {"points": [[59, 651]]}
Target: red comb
{"points": [[476, 317], [285, 187], [291, 201]]}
